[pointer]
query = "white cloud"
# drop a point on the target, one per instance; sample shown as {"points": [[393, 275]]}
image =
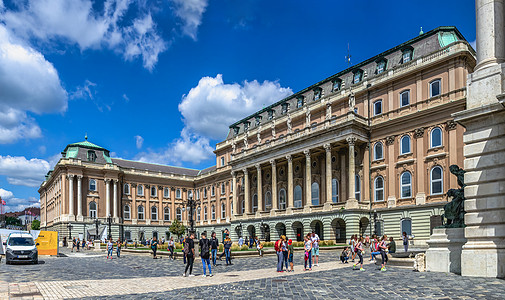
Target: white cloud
{"points": [[125, 98], [80, 22], [190, 12], [28, 83], [21, 171], [212, 106], [5, 194], [139, 141], [14, 204]]}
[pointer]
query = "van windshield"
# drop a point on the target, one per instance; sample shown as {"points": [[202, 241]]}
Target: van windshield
{"points": [[21, 241]]}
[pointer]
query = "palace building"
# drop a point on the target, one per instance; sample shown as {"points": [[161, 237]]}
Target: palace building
{"points": [[365, 150]]}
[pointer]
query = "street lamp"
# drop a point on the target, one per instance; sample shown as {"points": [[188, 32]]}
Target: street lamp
{"points": [[109, 220], [97, 223], [69, 226], [191, 204], [375, 221]]}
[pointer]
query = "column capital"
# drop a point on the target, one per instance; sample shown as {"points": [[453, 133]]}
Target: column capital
{"points": [[272, 162], [327, 147], [390, 140], [107, 180], [307, 153], [289, 158], [450, 125], [233, 174], [419, 132], [245, 171], [70, 176], [79, 177], [116, 181], [258, 167], [351, 140]]}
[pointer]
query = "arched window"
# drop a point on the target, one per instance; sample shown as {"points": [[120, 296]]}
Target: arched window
{"points": [[334, 190], [178, 194], [140, 190], [154, 213], [282, 199], [153, 191], [406, 185], [140, 212], [268, 200], [435, 88], [223, 188], [436, 137], [405, 144], [377, 108], [406, 226], [205, 213], [126, 189], [255, 203], [298, 196], [92, 185], [378, 152], [243, 207], [404, 98], [315, 193], [379, 189], [436, 179], [357, 188], [213, 212], [166, 213], [166, 192], [178, 214], [126, 212], [92, 210], [223, 210], [213, 191]]}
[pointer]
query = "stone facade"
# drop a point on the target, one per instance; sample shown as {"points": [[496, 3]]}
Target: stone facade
{"points": [[370, 144]]}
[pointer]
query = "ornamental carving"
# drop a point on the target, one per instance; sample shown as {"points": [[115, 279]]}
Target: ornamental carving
{"points": [[351, 140], [450, 125], [289, 158], [390, 140], [419, 133], [327, 147]]}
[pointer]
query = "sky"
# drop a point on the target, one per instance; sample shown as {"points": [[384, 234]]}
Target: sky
{"points": [[160, 81]]}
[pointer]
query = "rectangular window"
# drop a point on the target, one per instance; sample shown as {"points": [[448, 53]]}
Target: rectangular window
{"points": [[223, 188], [404, 98], [178, 194], [212, 191], [271, 114], [166, 192], [126, 189], [198, 194], [435, 88], [299, 102], [381, 67], [222, 161], [205, 192], [407, 56], [377, 108]]}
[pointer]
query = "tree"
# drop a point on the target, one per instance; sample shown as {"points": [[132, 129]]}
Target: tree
{"points": [[35, 225], [12, 221], [177, 228]]}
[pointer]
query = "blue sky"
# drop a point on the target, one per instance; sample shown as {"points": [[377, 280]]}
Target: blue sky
{"points": [[161, 80]]}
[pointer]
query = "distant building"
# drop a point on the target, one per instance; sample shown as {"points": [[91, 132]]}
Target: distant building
{"points": [[366, 150]]}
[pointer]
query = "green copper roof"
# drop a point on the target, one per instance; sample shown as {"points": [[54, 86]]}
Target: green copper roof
{"points": [[87, 144]]}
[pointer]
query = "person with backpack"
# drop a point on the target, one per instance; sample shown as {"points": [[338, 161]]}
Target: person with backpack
{"points": [[383, 247], [227, 249], [374, 248], [359, 249], [205, 253], [225, 234], [214, 245], [154, 247], [189, 252], [280, 254]]}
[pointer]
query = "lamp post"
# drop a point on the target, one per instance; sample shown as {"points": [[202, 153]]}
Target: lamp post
{"points": [[191, 204], [375, 222], [69, 226], [109, 220], [97, 223]]}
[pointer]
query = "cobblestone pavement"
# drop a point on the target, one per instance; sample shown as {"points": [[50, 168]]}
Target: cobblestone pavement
{"points": [[249, 278]]}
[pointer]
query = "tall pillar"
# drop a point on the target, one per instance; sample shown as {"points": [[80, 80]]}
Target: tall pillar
{"points": [[115, 202], [79, 197], [236, 206], [290, 199], [259, 183], [343, 182], [351, 198], [490, 33], [247, 199], [107, 197], [328, 177], [70, 197], [421, 177], [308, 179], [274, 185]]}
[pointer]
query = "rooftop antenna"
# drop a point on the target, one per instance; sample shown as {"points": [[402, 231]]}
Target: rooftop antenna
{"points": [[86, 136], [348, 56], [421, 32]]}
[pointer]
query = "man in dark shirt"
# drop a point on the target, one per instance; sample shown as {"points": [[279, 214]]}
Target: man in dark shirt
{"points": [[189, 250], [214, 243], [205, 253]]}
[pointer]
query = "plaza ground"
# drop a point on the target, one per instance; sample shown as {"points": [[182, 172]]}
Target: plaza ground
{"points": [[89, 275]]}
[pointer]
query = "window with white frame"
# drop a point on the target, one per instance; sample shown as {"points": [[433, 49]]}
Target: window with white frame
{"points": [[406, 226], [154, 213], [92, 185], [378, 151], [377, 107], [298, 196], [153, 191], [381, 67], [126, 212], [405, 98], [436, 137], [255, 202], [315, 193], [357, 76], [299, 102], [198, 194], [166, 213], [337, 84], [178, 214], [223, 188], [405, 145], [92, 210], [435, 88], [223, 210], [178, 194], [268, 200], [205, 192], [213, 212], [205, 213], [231, 186], [126, 189], [317, 94], [213, 191], [222, 161], [406, 185], [198, 213], [357, 188], [334, 190], [242, 207], [166, 192], [407, 55], [379, 189], [282, 199], [140, 190], [436, 180], [140, 212]]}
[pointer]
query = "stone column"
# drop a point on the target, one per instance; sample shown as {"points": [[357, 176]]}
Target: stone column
{"points": [[421, 177], [115, 202], [107, 197], [490, 33], [308, 179], [79, 197], [236, 206], [259, 183], [290, 199], [328, 177], [247, 199], [274, 185], [70, 197], [351, 198], [343, 176]]}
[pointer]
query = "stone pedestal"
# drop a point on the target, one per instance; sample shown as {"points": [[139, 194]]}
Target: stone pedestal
{"points": [[444, 253], [97, 245]]}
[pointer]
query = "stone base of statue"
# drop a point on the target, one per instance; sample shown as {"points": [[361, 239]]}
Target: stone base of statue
{"points": [[97, 245], [444, 252]]}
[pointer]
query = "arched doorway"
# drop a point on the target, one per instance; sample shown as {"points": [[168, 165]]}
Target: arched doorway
{"points": [[251, 230], [363, 225], [238, 230], [338, 230], [265, 232], [281, 229], [298, 230], [317, 226]]}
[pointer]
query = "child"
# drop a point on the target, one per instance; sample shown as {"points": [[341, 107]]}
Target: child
{"points": [[110, 246], [291, 249], [344, 257], [359, 250], [308, 256], [374, 248]]}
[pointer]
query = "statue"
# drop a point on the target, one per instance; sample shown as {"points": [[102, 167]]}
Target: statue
{"points": [[233, 147], [352, 102], [290, 126], [307, 116], [273, 129], [328, 111], [454, 211], [246, 143], [258, 136]]}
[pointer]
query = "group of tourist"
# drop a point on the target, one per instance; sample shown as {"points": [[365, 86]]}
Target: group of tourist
{"points": [[78, 244], [285, 252]]}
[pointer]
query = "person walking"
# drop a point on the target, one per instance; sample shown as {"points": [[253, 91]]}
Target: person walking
{"points": [[214, 245], [374, 248], [171, 246], [392, 245], [154, 247], [240, 241], [284, 249], [110, 247], [291, 250], [405, 239], [73, 245], [118, 248], [78, 244], [383, 251], [189, 251], [184, 240], [315, 247], [227, 249], [226, 233], [259, 246], [308, 253], [251, 241], [205, 253], [353, 246], [359, 250], [280, 255], [83, 246]]}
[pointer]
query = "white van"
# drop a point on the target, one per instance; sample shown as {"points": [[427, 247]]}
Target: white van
{"points": [[20, 247]]}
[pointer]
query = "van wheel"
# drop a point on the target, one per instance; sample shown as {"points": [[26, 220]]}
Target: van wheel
{"points": [[36, 262]]}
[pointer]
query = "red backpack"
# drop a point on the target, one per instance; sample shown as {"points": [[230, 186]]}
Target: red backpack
{"points": [[277, 245]]}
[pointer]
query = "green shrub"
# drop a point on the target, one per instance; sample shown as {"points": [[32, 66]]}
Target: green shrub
{"points": [[178, 246], [221, 248], [330, 243], [235, 248], [297, 244], [268, 244], [244, 248]]}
